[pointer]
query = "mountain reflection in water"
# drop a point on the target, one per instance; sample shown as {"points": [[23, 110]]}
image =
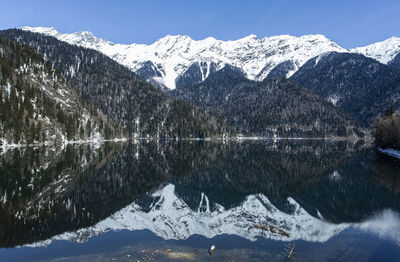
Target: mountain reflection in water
{"points": [[285, 190]]}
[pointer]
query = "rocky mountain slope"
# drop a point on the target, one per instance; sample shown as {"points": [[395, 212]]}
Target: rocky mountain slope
{"points": [[37, 105], [273, 107], [172, 58], [121, 94], [360, 86]]}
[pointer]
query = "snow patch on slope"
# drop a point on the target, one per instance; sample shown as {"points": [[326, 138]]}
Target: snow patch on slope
{"points": [[333, 99]]}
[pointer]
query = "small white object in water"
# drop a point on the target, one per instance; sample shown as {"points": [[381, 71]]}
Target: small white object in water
{"points": [[211, 250]]}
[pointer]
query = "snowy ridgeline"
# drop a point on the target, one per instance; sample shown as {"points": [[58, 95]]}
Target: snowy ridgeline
{"points": [[170, 57], [171, 218]]}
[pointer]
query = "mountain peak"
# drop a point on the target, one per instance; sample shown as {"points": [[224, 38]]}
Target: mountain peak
{"points": [[174, 38], [383, 51], [86, 37], [42, 30], [81, 38], [249, 37], [85, 33], [210, 38]]}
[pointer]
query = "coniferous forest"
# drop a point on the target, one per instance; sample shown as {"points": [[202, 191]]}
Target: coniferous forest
{"points": [[387, 130], [273, 107], [37, 105]]}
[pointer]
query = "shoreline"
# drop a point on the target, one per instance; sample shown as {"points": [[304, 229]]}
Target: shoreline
{"points": [[236, 139]]}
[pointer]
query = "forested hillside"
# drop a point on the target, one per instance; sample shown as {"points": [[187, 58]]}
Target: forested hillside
{"points": [[37, 105], [136, 105], [273, 107], [360, 86]]}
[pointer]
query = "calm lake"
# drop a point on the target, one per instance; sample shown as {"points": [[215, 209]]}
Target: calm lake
{"points": [[171, 201]]}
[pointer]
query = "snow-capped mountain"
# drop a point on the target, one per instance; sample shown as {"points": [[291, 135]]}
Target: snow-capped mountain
{"points": [[171, 218], [170, 57], [384, 51]]}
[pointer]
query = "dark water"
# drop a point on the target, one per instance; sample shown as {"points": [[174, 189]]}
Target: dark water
{"points": [[169, 201]]}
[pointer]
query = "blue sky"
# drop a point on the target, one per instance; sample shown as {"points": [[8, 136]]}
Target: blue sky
{"points": [[349, 23]]}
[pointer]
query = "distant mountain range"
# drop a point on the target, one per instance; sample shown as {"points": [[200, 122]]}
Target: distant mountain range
{"points": [[169, 59]]}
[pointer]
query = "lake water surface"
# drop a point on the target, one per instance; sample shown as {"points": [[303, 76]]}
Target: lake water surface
{"points": [[170, 201]]}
